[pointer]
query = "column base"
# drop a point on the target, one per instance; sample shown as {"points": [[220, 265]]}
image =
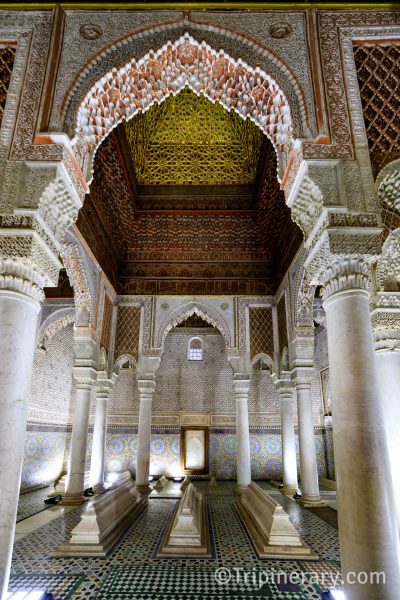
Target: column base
{"points": [[311, 501], [73, 499], [239, 489], [98, 488], [143, 488], [289, 490]]}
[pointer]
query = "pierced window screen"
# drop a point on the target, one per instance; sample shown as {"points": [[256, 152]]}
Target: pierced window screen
{"points": [[195, 350]]}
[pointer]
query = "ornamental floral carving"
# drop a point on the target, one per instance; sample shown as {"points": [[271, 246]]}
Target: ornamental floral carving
{"points": [[204, 312], [76, 273], [137, 85], [307, 206]]}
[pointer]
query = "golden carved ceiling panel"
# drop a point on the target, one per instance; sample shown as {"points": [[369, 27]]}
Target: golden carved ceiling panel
{"points": [[189, 140]]}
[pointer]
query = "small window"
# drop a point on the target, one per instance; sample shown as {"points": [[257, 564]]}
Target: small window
{"points": [[195, 349]]}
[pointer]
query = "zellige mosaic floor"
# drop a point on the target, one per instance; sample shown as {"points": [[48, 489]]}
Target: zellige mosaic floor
{"points": [[131, 572]]}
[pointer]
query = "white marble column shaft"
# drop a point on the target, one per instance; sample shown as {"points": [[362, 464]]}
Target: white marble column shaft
{"points": [[289, 463], [99, 442], [18, 323], [146, 391], [77, 459], [308, 457], [367, 524], [241, 388], [388, 363]]}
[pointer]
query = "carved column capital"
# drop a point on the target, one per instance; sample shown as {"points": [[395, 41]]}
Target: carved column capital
{"points": [[147, 385], [302, 377], [241, 385], [31, 232], [104, 385], [84, 377], [343, 276], [20, 277], [386, 321], [284, 386]]}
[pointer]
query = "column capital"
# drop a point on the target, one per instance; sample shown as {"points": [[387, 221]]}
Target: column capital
{"points": [[303, 347], [146, 384], [241, 384], [20, 277], [302, 377], [85, 347], [104, 386], [345, 276], [84, 377], [385, 319]]}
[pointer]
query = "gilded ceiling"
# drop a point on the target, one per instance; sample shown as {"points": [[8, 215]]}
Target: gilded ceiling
{"points": [[188, 140], [185, 200]]}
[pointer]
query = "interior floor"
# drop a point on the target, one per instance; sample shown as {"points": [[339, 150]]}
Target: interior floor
{"points": [[132, 571]]}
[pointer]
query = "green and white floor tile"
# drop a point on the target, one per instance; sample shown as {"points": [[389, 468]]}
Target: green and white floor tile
{"points": [[131, 571]]}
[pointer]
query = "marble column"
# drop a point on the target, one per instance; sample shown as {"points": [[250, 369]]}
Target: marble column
{"points": [[18, 323], [85, 378], [289, 463], [241, 386], [367, 519], [308, 457], [386, 329], [104, 387], [146, 390]]}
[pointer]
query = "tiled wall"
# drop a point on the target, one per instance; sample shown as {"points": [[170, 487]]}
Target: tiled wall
{"points": [[265, 453], [43, 458], [46, 454], [122, 448]]}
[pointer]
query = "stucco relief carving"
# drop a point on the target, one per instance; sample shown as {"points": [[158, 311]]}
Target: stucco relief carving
{"points": [[388, 186], [385, 319], [334, 29], [237, 44], [137, 85], [58, 208], [304, 303], [206, 312], [388, 264], [53, 324], [347, 274], [307, 206], [76, 272]]}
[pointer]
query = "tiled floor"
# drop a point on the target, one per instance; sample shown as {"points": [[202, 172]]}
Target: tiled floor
{"points": [[131, 572], [31, 503]]}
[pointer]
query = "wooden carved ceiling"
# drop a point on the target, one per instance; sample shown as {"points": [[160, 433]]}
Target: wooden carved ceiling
{"points": [[188, 140], [185, 200]]}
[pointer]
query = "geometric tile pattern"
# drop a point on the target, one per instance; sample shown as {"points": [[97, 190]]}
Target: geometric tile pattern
{"points": [[46, 454], [32, 502], [261, 331], [121, 450], [265, 455], [59, 585], [43, 457], [131, 572], [378, 72], [7, 54], [128, 326]]}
